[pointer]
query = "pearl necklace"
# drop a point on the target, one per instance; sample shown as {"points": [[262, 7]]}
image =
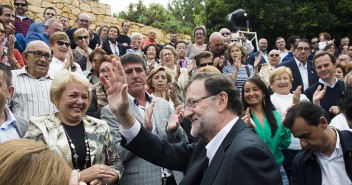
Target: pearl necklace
{"points": [[73, 147]]}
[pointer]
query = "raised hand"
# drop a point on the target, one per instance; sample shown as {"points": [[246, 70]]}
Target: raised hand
{"points": [[247, 118], [221, 61], [335, 110], [178, 72], [116, 90], [319, 94], [175, 119], [148, 117], [297, 95], [191, 65]]}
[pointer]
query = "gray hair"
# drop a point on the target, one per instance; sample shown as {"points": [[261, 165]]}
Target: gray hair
{"points": [[50, 21]]}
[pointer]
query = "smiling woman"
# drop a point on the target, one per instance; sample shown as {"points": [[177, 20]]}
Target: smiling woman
{"points": [[83, 141]]}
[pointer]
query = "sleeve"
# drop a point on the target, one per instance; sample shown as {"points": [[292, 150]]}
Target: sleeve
{"points": [[18, 57], [113, 160], [284, 134], [34, 133]]}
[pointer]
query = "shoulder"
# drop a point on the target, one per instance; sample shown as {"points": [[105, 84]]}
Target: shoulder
{"points": [[41, 118], [95, 121]]}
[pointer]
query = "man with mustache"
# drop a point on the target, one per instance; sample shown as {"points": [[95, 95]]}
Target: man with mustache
{"points": [[325, 157], [141, 104], [32, 82], [11, 126]]}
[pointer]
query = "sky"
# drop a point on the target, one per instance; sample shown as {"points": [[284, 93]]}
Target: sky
{"points": [[120, 5]]}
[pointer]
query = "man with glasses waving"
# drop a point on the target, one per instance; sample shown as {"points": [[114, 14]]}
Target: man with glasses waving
{"points": [[303, 71], [22, 21], [228, 153], [32, 83]]}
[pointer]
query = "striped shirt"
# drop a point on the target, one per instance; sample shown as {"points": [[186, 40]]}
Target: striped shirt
{"points": [[31, 96], [22, 24]]}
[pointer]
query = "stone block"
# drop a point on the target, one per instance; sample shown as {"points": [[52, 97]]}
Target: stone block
{"points": [[59, 5], [36, 3], [66, 9], [99, 11], [85, 7], [75, 12], [36, 10]]}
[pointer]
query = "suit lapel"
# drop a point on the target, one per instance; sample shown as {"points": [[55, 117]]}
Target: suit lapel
{"points": [[135, 112], [220, 154], [311, 74], [194, 173]]}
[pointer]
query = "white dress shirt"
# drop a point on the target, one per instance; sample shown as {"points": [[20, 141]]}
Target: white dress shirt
{"points": [[332, 167], [304, 73]]}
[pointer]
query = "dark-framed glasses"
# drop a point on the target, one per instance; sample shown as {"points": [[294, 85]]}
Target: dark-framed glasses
{"points": [[40, 54], [20, 4], [206, 64], [274, 55]]}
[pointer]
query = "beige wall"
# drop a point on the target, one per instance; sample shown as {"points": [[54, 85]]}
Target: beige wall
{"points": [[100, 14]]}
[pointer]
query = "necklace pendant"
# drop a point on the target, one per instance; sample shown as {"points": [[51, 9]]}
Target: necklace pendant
{"points": [[75, 156], [72, 146]]}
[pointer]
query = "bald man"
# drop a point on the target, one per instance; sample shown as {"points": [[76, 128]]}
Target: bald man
{"points": [[215, 46], [84, 21]]}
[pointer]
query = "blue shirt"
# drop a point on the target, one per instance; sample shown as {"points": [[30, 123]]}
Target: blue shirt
{"points": [[8, 128], [37, 27]]}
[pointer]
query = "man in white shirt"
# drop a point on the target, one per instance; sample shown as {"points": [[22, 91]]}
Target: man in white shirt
{"points": [[32, 83], [326, 156], [281, 46], [228, 152]]}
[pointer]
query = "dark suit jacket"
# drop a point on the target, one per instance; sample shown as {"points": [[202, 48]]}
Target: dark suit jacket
{"points": [[242, 158], [92, 43], [251, 59], [107, 49], [297, 78]]}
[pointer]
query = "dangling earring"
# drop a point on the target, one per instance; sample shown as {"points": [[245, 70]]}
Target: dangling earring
{"points": [[264, 102]]}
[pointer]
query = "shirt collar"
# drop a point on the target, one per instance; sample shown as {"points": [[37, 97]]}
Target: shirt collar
{"points": [[147, 96], [300, 63], [338, 148], [213, 146], [10, 119], [325, 83], [24, 71]]}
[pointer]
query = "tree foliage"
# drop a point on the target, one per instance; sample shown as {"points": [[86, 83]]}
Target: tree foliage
{"points": [[155, 15], [270, 19]]}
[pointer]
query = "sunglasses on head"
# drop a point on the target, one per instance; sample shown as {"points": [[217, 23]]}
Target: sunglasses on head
{"points": [[61, 43], [82, 37], [274, 55], [20, 4]]}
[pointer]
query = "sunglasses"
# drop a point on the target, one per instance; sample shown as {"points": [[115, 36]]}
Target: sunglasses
{"points": [[61, 43], [316, 42], [274, 55], [206, 64], [20, 4], [225, 33], [40, 54], [82, 37]]}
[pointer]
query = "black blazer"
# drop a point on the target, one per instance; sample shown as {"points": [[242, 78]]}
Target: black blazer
{"points": [[107, 49], [297, 78], [242, 158]]}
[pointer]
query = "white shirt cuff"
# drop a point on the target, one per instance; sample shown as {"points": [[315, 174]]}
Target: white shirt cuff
{"points": [[131, 133]]}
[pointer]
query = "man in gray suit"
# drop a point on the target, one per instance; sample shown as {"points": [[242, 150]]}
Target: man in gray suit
{"points": [[11, 127], [136, 170]]}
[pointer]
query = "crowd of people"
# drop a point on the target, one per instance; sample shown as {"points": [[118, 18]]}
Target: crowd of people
{"points": [[108, 106]]}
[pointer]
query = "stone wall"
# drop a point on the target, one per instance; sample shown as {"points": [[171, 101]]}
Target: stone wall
{"points": [[100, 15]]}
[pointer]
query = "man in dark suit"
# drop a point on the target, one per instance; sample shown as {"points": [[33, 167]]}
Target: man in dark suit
{"points": [[302, 70], [228, 153], [263, 47], [83, 21]]}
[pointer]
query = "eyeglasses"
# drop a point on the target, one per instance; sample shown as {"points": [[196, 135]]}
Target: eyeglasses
{"points": [[191, 103], [281, 79], [82, 37], [61, 43], [274, 55], [82, 20], [206, 64], [20, 4], [300, 49], [234, 40], [225, 33], [51, 14], [40, 54], [315, 42]]}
